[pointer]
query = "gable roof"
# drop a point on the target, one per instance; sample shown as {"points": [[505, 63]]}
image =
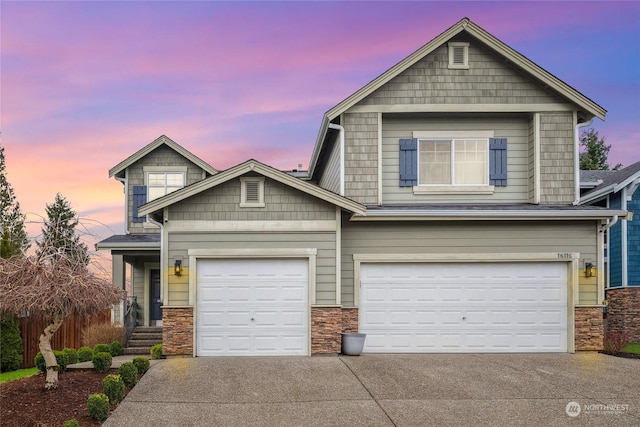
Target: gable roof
{"points": [[490, 41], [613, 182], [241, 169], [162, 140]]}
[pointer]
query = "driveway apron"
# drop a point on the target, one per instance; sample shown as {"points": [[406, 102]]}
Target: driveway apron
{"points": [[387, 390]]}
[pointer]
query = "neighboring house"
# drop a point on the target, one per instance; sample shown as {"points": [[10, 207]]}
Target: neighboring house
{"points": [[619, 190], [439, 214]]}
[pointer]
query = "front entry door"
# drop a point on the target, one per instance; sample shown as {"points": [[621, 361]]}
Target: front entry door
{"points": [[155, 304]]}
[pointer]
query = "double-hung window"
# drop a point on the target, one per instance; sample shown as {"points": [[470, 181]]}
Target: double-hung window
{"points": [[441, 163], [159, 181], [449, 161], [162, 183]]}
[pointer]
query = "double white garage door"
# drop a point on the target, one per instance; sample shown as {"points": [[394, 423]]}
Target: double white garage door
{"points": [[252, 307], [464, 307], [261, 307]]}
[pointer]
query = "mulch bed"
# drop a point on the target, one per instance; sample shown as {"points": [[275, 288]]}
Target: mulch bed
{"points": [[625, 355], [24, 402]]}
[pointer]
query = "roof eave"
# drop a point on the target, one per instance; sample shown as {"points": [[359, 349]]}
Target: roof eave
{"points": [[497, 215], [163, 139], [128, 246]]}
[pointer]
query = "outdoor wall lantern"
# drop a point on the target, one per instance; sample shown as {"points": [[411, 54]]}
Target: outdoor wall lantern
{"points": [[589, 269], [177, 267]]}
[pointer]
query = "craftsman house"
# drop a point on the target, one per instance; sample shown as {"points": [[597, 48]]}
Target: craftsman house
{"points": [[439, 213]]}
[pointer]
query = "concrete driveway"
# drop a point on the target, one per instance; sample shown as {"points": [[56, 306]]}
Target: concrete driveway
{"points": [[387, 390]]}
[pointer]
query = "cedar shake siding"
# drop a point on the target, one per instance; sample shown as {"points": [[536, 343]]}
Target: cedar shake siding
{"points": [[330, 178], [361, 157], [222, 203], [557, 172], [489, 80], [162, 156]]}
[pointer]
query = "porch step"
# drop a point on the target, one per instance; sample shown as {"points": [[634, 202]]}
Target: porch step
{"points": [[143, 338]]}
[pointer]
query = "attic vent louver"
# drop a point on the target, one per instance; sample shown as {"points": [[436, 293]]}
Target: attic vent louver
{"points": [[459, 55], [253, 191]]}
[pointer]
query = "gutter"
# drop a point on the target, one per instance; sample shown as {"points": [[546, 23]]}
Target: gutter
{"points": [[495, 215], [341, 130], [576, 160], [162, 255]]}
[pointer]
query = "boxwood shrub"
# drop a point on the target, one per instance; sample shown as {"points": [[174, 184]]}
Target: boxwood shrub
{"points": [[129, 373], [113, 388], [101, 348], [98, 406], [156, 352], [85, 354], [142, 363], [62, 360], [116, 348], [102, 361], [72, 355]]}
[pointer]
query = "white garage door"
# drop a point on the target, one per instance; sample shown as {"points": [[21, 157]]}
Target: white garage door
{"points": [[252, 307], [471, 307]]}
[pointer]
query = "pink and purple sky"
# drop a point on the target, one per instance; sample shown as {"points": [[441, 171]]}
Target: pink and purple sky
{"points": [[86, 84]]}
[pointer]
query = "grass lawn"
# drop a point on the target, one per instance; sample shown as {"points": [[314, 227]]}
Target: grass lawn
{"points": [[5, 377], [633, 347]]}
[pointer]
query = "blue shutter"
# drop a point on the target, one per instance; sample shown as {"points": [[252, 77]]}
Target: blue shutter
{"points": [[498, 162], [139, 199], [408, 162]]}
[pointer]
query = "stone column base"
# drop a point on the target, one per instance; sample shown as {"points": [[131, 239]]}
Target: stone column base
{"points": [[327, 325], [177, 331], [624, 311], [589, 328]]}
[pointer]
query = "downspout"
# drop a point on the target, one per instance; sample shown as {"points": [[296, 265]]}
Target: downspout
{"points": [[162, 269], [576, 158], [126, 203], [341, 130]]}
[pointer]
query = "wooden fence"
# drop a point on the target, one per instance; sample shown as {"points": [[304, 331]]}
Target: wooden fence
{"points": [[69, 334]]}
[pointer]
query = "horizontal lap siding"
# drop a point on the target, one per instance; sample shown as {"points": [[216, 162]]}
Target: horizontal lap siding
{"points": [[466, 237], [515, 128], [325, 242]]}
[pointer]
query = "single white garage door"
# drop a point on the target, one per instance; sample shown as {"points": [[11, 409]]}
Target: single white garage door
{"points": [[252, 307], [464, 307]]}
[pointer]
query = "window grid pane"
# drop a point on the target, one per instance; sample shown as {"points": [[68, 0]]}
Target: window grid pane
{"points": [[162, 183], [435, 162], [453, 162]]}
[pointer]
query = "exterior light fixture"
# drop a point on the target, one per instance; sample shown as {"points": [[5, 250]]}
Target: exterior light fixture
{"points": [[177, 267], [589, 269]]}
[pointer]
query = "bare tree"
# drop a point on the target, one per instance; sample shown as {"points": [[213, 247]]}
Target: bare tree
{"points": [[53, 286]]}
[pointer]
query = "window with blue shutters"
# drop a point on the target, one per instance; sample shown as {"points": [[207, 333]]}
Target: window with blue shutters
{"points": [[453, 162], [408, 162], [498, 162]]}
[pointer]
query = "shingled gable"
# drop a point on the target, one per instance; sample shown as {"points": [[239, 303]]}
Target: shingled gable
{"points": [[162, 140], [241, 169], [464, 25]]}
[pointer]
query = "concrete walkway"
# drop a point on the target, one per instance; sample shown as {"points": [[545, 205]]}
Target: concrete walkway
{"points": [[387, 390]]}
